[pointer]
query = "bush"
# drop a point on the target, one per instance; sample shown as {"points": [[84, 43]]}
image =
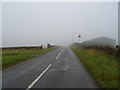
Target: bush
{"points": [[109, 50]]}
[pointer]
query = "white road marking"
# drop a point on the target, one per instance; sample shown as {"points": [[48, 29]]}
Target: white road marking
{"points": [[62, 51], [58, 55], [31, 85]]}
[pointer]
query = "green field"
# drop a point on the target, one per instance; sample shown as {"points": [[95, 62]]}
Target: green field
{"points": [[103, 67], [11, 57], [0, 61]]}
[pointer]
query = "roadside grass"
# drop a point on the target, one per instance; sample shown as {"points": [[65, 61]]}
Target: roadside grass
{"points": [[103, 67], [11, 57], [0, 59]]}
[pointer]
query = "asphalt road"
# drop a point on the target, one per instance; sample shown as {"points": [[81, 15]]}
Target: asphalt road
{"points": [[59, 68]]}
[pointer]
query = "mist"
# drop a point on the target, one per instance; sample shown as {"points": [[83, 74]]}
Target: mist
{"points": [[32, 23]]}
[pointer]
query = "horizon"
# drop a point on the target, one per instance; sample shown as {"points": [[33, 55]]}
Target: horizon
{"points": [[29, 23]]}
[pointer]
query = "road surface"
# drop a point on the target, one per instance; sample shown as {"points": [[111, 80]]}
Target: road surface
{"points": [[59, 68]]}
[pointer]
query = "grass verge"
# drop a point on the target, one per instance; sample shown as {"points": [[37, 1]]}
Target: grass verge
{"points": [[103, 67], [11, 57]]}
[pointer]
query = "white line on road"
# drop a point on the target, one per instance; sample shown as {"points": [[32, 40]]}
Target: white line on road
{"points": [[58, 55], [62, 51], [31, 85]]}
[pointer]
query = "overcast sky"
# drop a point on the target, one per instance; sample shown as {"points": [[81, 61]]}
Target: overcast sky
{"points": [[28, 23]]}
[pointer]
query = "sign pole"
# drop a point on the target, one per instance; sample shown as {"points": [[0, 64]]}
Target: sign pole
{"points": [[79, 37]]}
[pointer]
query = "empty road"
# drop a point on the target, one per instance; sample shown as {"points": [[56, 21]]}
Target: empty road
{"points": [[59, 68]]}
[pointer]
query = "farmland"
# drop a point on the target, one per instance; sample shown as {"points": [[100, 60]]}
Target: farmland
{"points": [[11, 57]]}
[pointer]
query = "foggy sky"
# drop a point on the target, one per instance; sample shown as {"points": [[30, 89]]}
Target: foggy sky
{"points": [[57, 23]]}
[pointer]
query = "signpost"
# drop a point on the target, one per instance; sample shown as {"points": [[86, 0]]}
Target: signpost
{"points": [[79, 36]]}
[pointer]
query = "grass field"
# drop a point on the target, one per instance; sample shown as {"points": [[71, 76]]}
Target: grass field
{"points": [[11, 57], [0, 61], [103, 67]]}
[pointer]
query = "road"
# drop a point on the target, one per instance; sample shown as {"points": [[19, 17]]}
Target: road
{"points": [[59, 68]]}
